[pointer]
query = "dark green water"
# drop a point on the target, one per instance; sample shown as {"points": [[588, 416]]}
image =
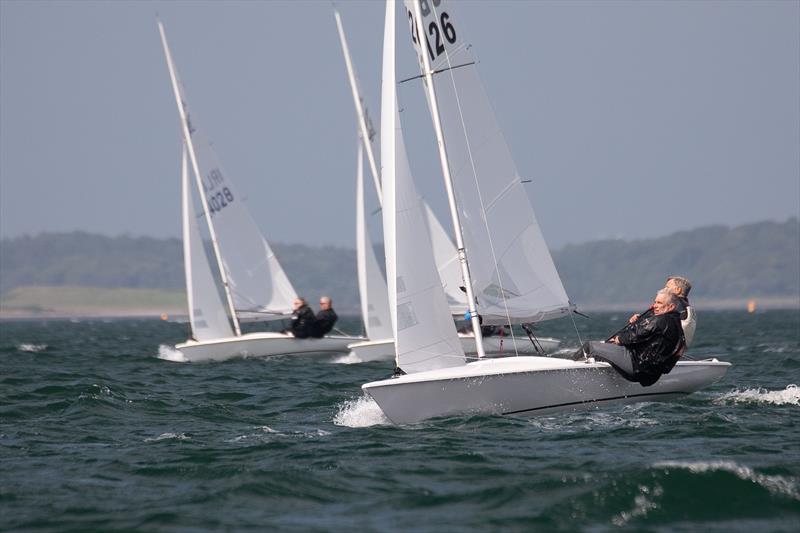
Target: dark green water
{"points": [[99, 434]]}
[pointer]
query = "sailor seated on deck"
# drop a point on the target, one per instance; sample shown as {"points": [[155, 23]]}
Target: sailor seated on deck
{"points": [[680, 287], [325, 319], [303, 321], [486, 331], [645, 349]]}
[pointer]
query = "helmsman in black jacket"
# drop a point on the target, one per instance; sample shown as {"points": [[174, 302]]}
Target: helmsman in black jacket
{"points": [[646, 348], [326, 317]]}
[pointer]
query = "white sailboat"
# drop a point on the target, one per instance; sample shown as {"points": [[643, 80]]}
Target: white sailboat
{"points": [[509, 270], [372, 288], [243, 281]]}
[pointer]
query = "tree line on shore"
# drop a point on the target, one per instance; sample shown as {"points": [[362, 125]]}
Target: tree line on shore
{"points": [[750, 261]]}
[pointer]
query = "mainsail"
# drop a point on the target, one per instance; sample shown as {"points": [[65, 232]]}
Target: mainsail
{"points": [[255, 284], [444, 251], [207, 314], [425, 335], [513, 275]]}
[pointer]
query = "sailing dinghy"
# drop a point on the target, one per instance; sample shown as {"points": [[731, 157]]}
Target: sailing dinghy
{"points": [[372, 286], [237, 278], [509, 271]]}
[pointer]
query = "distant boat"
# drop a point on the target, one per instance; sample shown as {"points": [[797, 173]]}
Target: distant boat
{"points": [[379, 344], [509, 268], [237, 278]]}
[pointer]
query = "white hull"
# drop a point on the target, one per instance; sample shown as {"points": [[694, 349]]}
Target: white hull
{"points": [[383, 350], [261, 344], [528, 386]]}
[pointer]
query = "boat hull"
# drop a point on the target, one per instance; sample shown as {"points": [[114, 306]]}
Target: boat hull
{"points": [[528, 386], [261, 344], [383, 350]]}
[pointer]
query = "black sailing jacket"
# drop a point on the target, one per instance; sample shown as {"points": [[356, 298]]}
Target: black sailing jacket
{"points": [[324, 322], [303, 322], [653, 342]]}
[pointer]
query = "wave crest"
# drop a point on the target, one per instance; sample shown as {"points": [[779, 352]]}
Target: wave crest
{"points": [[774, 484], [790, 395]]}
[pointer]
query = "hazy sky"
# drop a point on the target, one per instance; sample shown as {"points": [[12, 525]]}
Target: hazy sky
{"points": [[634, 119]]}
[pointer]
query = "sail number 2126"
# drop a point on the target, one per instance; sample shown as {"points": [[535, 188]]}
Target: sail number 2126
{"points": [[439, 30]]}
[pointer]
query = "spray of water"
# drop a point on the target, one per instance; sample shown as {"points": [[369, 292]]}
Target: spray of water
{"points": [[788, 396], [359, 413], [168, 353]]}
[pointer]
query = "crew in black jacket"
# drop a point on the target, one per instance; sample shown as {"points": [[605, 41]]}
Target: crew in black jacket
{"points": [[326, 317], [646, 348], [303, 321]]}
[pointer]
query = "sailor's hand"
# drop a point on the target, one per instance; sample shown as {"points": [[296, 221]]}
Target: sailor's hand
{"points": [[634, 317], [615, 340]]}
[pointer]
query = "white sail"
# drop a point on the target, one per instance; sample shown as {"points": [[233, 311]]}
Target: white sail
{"points": [[444, 250], [371, 285], [255, 281], [446, 257], [513, 275], [425, 336], [207, 314], [258, 284]]}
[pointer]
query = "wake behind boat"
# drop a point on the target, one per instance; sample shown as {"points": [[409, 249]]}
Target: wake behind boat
{"points": [[232, 275], [514, 277]]}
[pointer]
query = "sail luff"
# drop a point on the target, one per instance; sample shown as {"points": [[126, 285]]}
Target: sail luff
{"points": [[193, 158], [454, 214]]}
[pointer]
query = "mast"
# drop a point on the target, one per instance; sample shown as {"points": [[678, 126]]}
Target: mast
{"points": [[448, 182], [363, 121], [187, 254], [195, 167]]}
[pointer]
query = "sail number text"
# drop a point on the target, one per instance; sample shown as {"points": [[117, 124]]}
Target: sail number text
{"points": [[220, 199], [439, 31]]}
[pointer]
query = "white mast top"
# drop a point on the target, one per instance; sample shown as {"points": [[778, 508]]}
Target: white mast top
{"points": [[364, 123]]}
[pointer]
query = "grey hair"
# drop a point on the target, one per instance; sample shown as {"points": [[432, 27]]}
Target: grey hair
{"points": [[669, 298], [682, 283], [326, 299]]}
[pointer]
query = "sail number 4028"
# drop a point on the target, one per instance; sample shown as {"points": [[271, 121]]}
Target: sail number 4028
{"points": [[219, 200], [438, 30]]}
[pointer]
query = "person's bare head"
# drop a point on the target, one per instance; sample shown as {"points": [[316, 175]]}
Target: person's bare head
{"points": [[298, 303], [325, 302], [665, 302], [678, 286]]}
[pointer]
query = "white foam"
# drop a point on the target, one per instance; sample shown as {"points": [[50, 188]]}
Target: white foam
{"points": [[167, 436], [790, 395], [168, 353], [360, 413], [33, 348], [349, 359], [775, 484], [642, 504]]}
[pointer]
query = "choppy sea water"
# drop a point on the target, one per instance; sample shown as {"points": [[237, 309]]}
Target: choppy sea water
{"points": [[97, 433]]}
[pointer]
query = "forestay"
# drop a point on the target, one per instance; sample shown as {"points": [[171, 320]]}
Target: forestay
{"points": [[207, 314], [425, 335], [513, 275]]}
